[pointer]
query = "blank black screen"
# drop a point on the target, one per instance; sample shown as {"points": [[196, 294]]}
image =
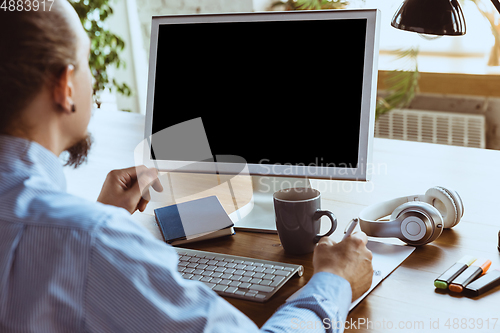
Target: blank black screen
{"points": [[274, 92]]}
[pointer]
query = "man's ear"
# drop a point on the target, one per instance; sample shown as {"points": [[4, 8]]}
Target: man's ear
{"points": [[64, 89]]}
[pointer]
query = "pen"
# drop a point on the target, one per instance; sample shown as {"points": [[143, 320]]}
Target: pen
{"points": [[479, 267], [350, 229]]}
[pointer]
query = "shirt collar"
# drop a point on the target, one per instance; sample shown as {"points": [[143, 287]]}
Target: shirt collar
{"points": [[23, 155]]}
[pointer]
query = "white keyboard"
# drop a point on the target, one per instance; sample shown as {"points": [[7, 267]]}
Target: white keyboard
{"points": [[233, 276]]}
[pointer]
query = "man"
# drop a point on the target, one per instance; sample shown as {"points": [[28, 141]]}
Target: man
{"points": [[67, 265]]}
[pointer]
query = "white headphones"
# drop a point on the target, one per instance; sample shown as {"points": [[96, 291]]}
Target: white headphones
{"points": [[416, 219]]}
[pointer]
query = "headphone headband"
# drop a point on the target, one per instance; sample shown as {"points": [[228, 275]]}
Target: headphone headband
{"points": [[374, 212]]}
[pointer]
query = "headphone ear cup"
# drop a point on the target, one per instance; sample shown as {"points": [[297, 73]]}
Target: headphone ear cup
{"points": [[448, 203], [421, 223]]}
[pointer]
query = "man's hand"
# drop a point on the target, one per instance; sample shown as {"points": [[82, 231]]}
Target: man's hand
{"points": [[129, 188], [349, 259]]}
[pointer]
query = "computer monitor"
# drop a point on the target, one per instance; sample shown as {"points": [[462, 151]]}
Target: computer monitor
{"points": [[291, 93]]}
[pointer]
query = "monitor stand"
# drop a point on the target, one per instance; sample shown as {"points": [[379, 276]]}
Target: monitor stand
{"points": [[258, 214]]}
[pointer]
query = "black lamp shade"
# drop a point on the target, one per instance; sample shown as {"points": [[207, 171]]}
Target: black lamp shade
{"points": [[433, 17]]}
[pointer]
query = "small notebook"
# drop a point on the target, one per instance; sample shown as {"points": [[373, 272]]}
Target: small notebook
{"points": [[193, 221]]}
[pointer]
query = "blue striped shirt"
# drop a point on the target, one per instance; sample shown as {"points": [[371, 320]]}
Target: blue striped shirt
{"points": [[70, 265]]}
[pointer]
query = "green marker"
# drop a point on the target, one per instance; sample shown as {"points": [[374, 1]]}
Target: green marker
{"points": [[451, 273]]}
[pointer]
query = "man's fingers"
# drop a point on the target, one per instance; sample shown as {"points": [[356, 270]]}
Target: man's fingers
{"points": [[361, 235], [142, 204], [326, 240], [157, 185], [147, 178]]}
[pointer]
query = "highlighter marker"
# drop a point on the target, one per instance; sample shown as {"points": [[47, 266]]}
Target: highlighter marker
{"points": [[484, 283], [451, 273], [479, 267]]}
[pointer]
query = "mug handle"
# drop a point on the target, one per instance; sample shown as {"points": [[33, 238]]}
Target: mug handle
{"points": [[317, 215]]}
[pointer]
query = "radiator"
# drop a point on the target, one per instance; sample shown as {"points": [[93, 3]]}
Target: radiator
{"points": [[457, 129]]}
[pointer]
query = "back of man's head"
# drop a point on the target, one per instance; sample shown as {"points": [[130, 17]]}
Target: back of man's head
{"points": [[35, 48]]}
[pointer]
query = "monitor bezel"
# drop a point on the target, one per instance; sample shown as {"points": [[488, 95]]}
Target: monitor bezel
{"points": [[368, 99]]}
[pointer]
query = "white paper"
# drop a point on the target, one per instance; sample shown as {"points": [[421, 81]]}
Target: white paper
{"points": [[386, 258]]}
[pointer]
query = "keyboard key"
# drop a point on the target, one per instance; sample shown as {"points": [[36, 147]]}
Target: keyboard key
{"points": [[255, 281], [216, 280], [205, 279], [210, 268], [229, 270], [210, 285], [259, 275], [217, 274], [265, 282], [240, 266], [259, 269], [231, 265], [265, 289], [260, 296], [268, 266], [226, 276], [189, 270], [239, 272], [275, 283], [202, 261], [283, 273], [220, 269], [239, 292], [244, 285], [192, 265], [212, 262], [225, 282], [196, 277], [278, 278], [269, 270], [278, 267], [219, 288], [230, 290], [269, 277], [245, 279], [235, 283]]}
